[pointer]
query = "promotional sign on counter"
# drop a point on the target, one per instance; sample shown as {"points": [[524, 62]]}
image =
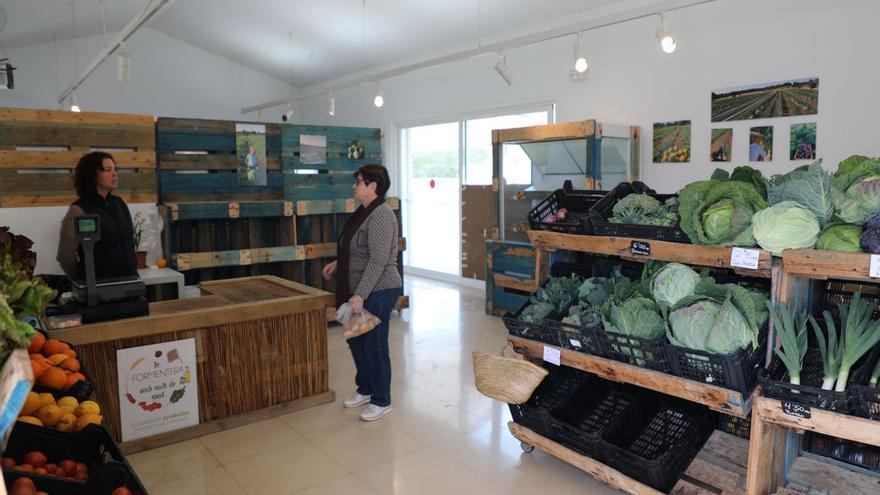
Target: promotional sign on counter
{"points": [[158, 389]]}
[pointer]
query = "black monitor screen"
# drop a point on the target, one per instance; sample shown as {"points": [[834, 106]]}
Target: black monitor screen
{"points": [[86, 225]]}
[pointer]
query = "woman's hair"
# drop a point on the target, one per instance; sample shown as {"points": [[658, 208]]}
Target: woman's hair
{"points": [[374, 172], [87, 172]]}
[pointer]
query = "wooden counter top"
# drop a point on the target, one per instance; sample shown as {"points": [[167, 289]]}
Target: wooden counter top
{"points": [[228, 301]]}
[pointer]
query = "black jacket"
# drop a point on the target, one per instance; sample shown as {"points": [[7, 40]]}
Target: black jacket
{"points": [[115, 252]]}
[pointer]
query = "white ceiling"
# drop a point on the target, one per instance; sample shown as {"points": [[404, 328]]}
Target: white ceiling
{"points": [[327, 34]]}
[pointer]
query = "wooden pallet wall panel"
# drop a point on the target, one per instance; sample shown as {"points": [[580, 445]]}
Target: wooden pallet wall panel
{"points": [[32, 176]]}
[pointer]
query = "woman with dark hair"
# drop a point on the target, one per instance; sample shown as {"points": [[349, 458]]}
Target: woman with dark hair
{"points": [[367, 277], [95, 178]]}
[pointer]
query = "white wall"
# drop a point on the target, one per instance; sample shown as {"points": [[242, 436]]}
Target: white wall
{"points": [[169, 78], [721, 44]]}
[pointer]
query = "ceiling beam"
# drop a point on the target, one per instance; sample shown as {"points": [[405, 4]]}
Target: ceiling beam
{"points": [[634, 13], [121, 37]]}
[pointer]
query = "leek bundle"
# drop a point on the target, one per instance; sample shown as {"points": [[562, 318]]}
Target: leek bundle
{"points": [[858, 334], [792, 329]]}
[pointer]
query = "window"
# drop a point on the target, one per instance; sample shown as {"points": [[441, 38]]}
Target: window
{"points": [[436, 160]]}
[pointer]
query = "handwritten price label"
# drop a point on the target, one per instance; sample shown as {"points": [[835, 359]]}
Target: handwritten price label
{"points": [[875, 266], [796, 410], [744, 258], [552, 355], [640, 248]]}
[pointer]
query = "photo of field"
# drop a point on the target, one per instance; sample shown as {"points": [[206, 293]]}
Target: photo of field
{"points": [[767, 100], [802, 145], [720, 145], [672, 142]]}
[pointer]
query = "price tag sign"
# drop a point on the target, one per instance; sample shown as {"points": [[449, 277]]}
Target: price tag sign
{"points": [[640, 248], [552, 355], [575, 343], [745, 258], [875, 266], [796, 410]]}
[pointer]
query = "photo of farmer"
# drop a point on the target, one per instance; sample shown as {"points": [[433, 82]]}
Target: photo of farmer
{"points": [[761, 144], [250, 147], [720, 146], [802, 145]]}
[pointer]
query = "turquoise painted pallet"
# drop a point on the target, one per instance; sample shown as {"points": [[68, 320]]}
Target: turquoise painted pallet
{"points": [[197, 162], [510, 275], [232, 209]]}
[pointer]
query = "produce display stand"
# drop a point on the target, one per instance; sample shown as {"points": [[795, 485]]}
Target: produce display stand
{"points": [[714, 465], [774, 459], [261, 351]]}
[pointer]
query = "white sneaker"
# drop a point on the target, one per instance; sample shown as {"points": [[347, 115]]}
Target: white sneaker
{"points": [[374, 412], [355, 400]]}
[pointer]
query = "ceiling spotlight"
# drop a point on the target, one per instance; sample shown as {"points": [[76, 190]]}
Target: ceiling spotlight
{"points": [[502, 69], [288, 114], [123, 65], [74, 105], [665, 37], [378, 96], [580, 60], [331, 105]]}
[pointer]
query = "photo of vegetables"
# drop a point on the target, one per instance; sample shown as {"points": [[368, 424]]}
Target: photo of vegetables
{"points": [[766, 100], [802, 144], [672, 142], [720, 145], [761, 144]]}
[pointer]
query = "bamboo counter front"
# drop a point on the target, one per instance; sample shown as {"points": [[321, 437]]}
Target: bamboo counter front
{"points": [[261, 351]]}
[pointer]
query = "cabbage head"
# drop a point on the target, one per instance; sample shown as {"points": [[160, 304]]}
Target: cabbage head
{"points": [[841, 237], [856, 188], [785, 225], [809, 185], [711, 327], [673, 283], [637, 317], [719, 213]]}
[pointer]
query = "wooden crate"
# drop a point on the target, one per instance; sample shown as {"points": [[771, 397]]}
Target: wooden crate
{"points": [[40, 148], [510, 275], [197, 162]]}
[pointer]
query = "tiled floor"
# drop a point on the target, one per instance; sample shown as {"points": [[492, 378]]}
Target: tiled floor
{"points": [[443, 437]]}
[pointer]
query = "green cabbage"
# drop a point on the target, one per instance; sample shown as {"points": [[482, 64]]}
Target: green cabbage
{"points": [[841, 237], [809, 185], [785, 225], [856, 188], [673, 283], [719, 213], [711, 327], [636, 317]]}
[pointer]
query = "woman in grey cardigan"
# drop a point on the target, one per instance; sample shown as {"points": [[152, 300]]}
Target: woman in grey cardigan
{"points": [[367, 276]]}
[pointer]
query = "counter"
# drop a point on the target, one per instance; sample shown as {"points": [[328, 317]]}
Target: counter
{"points": [[260, 351]]}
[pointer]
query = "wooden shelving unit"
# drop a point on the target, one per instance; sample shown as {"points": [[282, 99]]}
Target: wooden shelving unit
{"points": [[719, 399], [775, 460]]}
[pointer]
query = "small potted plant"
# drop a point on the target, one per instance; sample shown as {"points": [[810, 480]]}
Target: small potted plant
{"points": [[139, 223]]}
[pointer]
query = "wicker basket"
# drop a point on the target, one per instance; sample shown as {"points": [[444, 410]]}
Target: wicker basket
{"points": [[505, 378]]}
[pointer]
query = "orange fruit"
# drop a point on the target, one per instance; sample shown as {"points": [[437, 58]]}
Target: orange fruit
{"points": [[69, 353], [57, 359], [38, 368], [52, 346], [49, 414], [161, 262], [39, 357], [72, 379], [36, 343], [53, 378], [70, 364]]}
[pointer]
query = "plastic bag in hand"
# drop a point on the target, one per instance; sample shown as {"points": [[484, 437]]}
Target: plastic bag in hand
{"points": [[355, 323]]}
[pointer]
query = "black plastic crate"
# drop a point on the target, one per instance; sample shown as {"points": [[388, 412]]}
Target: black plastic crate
{"points": [[581, 338], [93, 446], [580, 422], [542, 331], [839, 292], [644, 353], [740, 427], [737, 371], [556, 388], [865, 401], [601, 211], [578, 204], [855, 453], [82, 389], [774, 384], [656, 442]]}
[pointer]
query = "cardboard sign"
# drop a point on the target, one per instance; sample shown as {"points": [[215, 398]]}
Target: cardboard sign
{"points": [[158, 388]]}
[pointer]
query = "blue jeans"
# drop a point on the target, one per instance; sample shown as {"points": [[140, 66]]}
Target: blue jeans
{"points": [[370, 350]]}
